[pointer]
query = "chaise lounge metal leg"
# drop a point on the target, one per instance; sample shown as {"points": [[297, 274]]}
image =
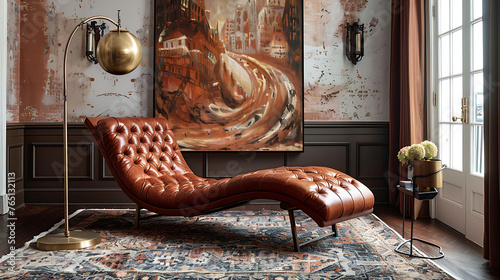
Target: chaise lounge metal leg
{"points": [[293, 226], [137, 216]]}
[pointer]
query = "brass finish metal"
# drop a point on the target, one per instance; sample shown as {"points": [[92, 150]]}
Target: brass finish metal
{"points": [[424, 167], [465, 111], [77, 240], [119, 52]]}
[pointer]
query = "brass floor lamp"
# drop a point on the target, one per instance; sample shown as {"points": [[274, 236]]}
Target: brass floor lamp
{"points": [[118, 52]]}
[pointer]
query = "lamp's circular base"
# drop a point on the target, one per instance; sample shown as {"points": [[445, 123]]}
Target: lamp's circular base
{"points": [[76, 240]]}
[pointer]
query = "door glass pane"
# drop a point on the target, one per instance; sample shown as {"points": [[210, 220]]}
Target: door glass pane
{"points": [[456, 146], [456, 52], [477, 98], [443, 16], [450, 145], [444, 100], [456, 97], [456, 13], [444, 143], [477, 46], [477, 9], [444, 54], [477, 150]]}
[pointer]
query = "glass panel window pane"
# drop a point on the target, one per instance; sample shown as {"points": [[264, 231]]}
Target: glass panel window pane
{"points": [[456, 97], [477, 162], [444, 100], [477, 98], [444, 54], [444, 143], [443, 16], [456, 13], [456, 52], [477, 9], [477, 46], [456, 147]]}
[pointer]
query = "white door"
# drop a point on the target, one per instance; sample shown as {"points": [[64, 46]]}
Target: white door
{"points": [[458, 84]]}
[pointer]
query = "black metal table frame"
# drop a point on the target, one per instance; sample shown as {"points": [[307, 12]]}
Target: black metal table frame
{"points": [[415, 194]]}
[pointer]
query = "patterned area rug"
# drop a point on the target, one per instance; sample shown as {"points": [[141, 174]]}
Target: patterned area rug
{"points": [[224, 245]]}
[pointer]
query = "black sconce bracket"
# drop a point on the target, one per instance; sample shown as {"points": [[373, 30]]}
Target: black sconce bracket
{"points": [[355, 45], [94, 34]]}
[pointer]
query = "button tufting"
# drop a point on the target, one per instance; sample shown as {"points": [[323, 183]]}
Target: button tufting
{"points": [[166, 174]]}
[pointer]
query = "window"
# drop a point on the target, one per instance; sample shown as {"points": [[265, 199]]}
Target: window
{"points": [[459, 74]]}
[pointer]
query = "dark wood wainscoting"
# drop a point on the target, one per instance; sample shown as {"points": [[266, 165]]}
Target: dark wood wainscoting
{"points": [[36, 155], [15, 159]]}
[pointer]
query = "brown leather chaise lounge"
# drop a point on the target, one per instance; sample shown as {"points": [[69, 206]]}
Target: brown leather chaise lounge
{"points": [[145, 160]]}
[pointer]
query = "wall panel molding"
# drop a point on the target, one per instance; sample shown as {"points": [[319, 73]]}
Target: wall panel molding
{"points": [[16, 158], [105, 172], [15, 161], [356, 148], [53, 153], [366, 150], [329, 154]]}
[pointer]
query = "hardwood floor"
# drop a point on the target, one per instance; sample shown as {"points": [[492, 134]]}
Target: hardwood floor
{"points": [[462, 257]]}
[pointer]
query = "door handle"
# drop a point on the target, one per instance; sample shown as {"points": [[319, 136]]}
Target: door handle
{"points": [[465, 111]]}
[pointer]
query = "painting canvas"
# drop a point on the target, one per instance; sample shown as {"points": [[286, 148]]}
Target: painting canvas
{"points": [[229, 73]]}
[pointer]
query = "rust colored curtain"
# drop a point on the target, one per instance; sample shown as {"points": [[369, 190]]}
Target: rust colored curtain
{"points": [[407, 93], [491, 12]]}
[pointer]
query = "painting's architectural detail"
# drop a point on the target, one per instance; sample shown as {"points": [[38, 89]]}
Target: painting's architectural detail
{"points": [[230, 79]]}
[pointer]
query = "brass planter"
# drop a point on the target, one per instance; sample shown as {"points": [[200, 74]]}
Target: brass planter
{"points": [[426, 167]]}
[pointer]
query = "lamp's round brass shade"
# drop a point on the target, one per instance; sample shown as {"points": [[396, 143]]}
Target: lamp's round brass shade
{"points": [[119, 52]]}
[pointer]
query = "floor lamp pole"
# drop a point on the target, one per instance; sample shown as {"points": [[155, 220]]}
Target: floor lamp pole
{"points": [[76, 239]]}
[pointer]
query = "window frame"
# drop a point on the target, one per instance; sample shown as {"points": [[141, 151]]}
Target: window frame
{"points": [[433, 74]]}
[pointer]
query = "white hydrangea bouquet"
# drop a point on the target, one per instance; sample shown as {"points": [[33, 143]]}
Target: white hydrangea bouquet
{"points": [[421, 162], [423, 151]]}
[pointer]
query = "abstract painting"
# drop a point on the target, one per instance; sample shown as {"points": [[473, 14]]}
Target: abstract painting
{"points": [[229, 73]]}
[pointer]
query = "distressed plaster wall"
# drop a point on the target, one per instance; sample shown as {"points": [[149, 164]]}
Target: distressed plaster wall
{"points": [[334, 88], [13, 65], [45, 27]]}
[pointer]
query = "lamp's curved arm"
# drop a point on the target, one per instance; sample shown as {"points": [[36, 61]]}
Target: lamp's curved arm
{"points": [[80, 25], [65, 120]]}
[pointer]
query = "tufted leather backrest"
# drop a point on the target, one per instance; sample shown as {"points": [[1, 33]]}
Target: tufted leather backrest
{"points": [[146, 162], [138, 149]]}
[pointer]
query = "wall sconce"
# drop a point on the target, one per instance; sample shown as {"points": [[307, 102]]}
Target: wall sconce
{"points": [[355, 45], [94, 34]]}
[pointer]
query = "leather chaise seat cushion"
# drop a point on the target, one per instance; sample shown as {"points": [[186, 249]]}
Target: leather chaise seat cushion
{"points": [[146, 161]]}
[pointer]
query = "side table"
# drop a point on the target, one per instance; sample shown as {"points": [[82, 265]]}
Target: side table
{"points": [[410, 189]]}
